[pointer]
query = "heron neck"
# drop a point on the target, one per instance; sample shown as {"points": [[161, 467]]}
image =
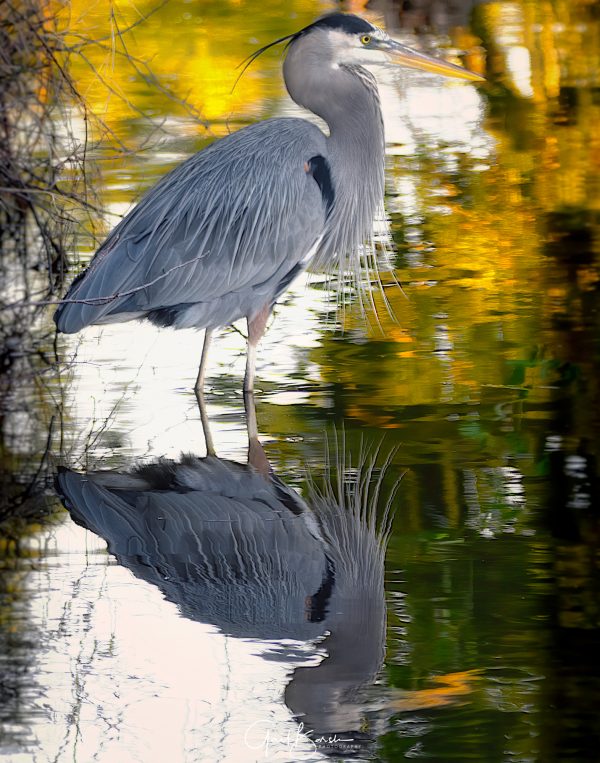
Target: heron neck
{"points": [[355, 121], [346, 97], [356, 150]]}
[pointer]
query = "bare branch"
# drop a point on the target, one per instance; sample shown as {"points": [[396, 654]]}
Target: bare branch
{"points": [[110, 298]]}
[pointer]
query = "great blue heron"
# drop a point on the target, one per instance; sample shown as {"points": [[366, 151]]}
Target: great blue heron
{"points": [[221, 236]]}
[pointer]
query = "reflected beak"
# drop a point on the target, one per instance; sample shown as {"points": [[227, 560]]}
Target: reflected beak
{"points": [[400, 54]]}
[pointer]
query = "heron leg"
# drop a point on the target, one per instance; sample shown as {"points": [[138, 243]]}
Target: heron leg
{"points": [[256, 328], [199, 388], [199, 391]]}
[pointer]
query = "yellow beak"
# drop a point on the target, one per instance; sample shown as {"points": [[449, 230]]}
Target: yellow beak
{"points": [[400, 54]]}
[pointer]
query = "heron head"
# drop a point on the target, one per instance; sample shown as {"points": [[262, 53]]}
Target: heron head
{"points": [[343, 39], [352, 41]]}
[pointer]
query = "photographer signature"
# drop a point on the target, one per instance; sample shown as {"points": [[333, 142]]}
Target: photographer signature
{"points": [[263, 735]]}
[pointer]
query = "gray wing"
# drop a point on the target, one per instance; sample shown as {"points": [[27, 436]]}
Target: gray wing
{"points": [[238, 215]]}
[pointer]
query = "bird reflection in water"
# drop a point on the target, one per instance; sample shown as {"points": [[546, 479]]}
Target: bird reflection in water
{"points": [[232, 545]]}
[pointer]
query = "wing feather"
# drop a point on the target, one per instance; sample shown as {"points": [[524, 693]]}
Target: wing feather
{"points": [[228, 219]]}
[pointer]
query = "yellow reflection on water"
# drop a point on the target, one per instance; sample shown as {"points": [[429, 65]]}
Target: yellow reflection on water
{"points": [[191, 50], [449, 689], [475, 227]]}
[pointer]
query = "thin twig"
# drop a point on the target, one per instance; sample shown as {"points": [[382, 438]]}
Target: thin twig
{"points": [[110, 298]]}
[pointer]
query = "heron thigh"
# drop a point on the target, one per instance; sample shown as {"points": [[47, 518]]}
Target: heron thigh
{"points": [[257, 324]]}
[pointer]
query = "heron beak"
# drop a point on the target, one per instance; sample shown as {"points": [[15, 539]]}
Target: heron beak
{"points": [[400, 54]]}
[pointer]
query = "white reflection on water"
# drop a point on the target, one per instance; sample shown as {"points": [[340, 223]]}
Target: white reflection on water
{"points": [[417, 111], [518, 63]]}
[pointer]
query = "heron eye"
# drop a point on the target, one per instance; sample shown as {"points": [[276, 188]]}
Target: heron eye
{"points": [[365, 39]]}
